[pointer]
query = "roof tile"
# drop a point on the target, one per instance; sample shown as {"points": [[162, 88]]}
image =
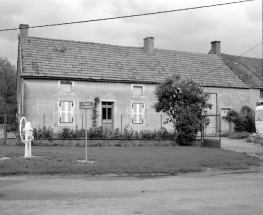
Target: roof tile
{"points": [[94, 61]]}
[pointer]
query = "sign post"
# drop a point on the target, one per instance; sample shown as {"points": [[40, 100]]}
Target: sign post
{"points": [[86, 106]]}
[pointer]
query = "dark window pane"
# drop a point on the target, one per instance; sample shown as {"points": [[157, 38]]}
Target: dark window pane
{"points": [[104, 116], [109, 113]]}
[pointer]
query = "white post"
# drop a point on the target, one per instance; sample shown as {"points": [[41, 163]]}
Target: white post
{"points": [[26, 149], [29, 149]]}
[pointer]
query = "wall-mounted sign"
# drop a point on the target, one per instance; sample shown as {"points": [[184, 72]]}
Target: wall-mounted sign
{"points": [[85, 105]]}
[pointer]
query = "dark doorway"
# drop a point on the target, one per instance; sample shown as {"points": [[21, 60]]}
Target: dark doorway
{"points": [[107, 115]]}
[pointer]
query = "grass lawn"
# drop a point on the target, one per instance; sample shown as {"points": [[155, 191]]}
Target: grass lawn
{"points": [[120, 160]]}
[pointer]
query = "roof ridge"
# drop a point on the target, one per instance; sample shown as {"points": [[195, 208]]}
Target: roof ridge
{"points": [[78, 41], [242, 56], [106, 44], [185, 52]]}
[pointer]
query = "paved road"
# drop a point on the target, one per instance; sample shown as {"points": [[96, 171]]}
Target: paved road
{"points": [[205, 193]]}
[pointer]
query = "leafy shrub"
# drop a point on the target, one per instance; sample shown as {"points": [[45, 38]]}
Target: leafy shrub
{"points": [[184, 102], [43, 133], [103, 133], [12, 127], [78, 133], [243, 120], [128, 133], [66, 133]]}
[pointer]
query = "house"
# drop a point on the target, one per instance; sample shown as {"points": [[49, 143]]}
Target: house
{"points": [[249, 70], [53, 76]]}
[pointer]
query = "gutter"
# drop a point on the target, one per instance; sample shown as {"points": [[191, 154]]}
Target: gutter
{"points": [[113, 81]]}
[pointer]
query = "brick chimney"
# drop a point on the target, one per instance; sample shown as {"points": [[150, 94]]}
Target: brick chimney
{"points": [[149, 45], [215, 47], [23, 34]]}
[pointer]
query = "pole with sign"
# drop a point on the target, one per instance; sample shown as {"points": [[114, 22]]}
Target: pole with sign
{"points": [[85, 106]]}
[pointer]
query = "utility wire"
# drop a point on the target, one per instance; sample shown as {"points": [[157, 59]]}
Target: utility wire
{"points": [[7, 46], [229, 61], [129, 16]]}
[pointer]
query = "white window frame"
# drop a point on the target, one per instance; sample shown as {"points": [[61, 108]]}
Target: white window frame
{"points": [[69, 118], [136, 111], [138, 85], [72, 87]]}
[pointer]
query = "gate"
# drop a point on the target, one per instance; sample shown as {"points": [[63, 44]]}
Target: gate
{"points": [[211, 131]]}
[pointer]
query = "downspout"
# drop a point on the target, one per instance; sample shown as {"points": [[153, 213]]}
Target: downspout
{"points": [[22, 97], [22, 81]]}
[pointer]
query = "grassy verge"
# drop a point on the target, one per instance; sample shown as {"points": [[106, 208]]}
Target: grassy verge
{"points": [[118, 160]]}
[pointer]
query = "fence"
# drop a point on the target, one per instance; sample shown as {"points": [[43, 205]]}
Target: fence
{"points": [[137, 122]]}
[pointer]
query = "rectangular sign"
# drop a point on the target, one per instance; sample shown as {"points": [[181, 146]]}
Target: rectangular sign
{"points": [[85, 105]]}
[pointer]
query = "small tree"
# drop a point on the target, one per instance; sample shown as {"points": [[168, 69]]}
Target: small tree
{"points": [[243, 120], [7, 87], [184, 101]]}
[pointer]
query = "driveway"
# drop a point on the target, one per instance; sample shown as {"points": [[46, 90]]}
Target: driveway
{"points": [[241, 146]]}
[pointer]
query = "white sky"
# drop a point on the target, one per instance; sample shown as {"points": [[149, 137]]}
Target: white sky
{"points": [[237, 26]]}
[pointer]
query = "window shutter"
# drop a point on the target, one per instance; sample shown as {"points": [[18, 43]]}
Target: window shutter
{"points": [[134, 113], [140, 113], [137, 113], [62, 111], [66, 112], [70, 112]]}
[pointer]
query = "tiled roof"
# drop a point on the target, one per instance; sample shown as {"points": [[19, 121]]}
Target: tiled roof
{"points": [[51, 58], [250, 70]]}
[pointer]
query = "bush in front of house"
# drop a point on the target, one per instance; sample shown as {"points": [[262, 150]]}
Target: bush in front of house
{"points": [[43, 133], [243, 120], [102, 133]]}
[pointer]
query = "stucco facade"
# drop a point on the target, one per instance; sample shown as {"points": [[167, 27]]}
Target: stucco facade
{"points": [[42, 97], [41, 103]]}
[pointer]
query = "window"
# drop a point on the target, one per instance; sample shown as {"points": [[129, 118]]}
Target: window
{"points": [[107, 110], [65, 87], [261, 93], [137, 113], [137, 90], [66, 111]]}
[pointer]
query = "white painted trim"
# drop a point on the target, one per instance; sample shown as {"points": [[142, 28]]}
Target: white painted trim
{"points": [[74, 113]]}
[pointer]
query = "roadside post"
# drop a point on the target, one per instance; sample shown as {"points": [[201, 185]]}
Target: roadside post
{"points": [[85, 106]]}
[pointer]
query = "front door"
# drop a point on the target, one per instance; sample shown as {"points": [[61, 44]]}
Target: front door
{"points": [[107, 115], [225, 125]]}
